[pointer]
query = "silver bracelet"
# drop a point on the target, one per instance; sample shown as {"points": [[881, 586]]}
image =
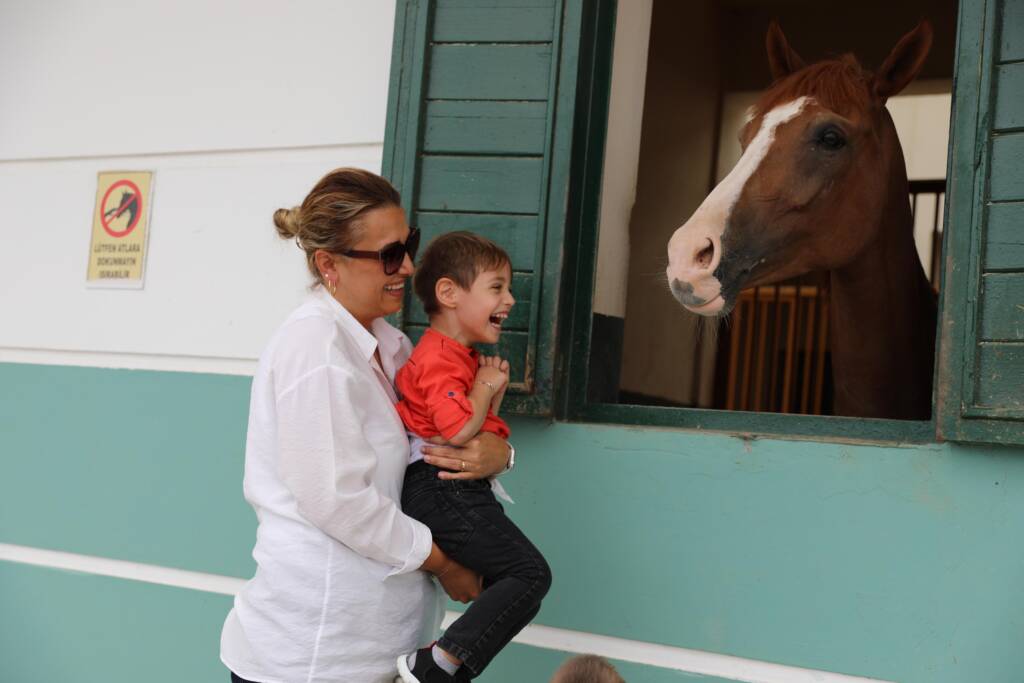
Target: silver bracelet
{"points": [[511, 459]]}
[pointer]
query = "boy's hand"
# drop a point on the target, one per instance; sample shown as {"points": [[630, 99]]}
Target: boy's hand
{"points": [[502, 365], [490, 372]]}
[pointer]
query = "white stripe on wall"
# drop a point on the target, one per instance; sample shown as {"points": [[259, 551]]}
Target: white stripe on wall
{"points": [[546, 637], [122, 569], [130, 361]]}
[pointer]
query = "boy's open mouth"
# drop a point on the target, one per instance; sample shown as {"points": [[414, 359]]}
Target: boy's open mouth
{"points": [[497, 319]]}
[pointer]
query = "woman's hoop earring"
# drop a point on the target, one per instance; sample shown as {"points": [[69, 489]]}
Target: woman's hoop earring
{"points": [[331, 287]]}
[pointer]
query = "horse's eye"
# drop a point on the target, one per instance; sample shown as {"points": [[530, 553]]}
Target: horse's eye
{"points": [[831, 139]]}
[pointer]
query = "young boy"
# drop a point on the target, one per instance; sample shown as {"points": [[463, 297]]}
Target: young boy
{"points": [[448, 391]]}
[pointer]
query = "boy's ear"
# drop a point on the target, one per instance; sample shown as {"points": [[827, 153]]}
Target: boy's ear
{"points": [[447, 292]]}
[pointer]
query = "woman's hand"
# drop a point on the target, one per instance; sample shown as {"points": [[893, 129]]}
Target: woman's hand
{"points": [[484, 455], [460, 583]]}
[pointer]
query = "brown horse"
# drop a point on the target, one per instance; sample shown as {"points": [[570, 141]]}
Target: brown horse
{"points": [[822, 185]]}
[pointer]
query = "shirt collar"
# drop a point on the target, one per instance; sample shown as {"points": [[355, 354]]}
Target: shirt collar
{"points": [[449, 344], [389, 337], [366, 342]]}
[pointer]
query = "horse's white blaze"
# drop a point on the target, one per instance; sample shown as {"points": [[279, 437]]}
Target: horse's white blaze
{"points": [[707, 224], [725, 195]]}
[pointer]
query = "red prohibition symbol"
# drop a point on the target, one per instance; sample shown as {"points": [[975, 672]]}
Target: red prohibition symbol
{"points": [[130, 203]]}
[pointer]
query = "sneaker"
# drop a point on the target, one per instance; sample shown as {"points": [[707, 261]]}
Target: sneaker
{"points": [[426, 669]]}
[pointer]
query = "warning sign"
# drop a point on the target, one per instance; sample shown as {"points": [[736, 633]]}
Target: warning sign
{"points": [[117, 252]]}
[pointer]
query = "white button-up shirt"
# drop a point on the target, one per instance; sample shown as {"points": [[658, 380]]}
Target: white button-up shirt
{"points": [[336, 595]]}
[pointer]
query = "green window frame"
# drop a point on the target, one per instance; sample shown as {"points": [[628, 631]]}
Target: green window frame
{"points": [[981, 351], [966, 407], [461, 95]]}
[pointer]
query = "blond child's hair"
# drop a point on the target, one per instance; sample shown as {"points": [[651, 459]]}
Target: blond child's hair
{"points": [[586, 669]]}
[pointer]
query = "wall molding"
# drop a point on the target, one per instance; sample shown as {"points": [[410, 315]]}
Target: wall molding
{"points": [[121, 569], [130, 361], [535, 635], [370, 147]]}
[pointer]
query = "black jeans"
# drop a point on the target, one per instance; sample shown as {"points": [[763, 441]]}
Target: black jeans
{"points": [[470, 526], [235, 678]]}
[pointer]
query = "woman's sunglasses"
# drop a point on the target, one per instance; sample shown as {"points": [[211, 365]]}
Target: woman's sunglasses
{"points": [[391, 256]]}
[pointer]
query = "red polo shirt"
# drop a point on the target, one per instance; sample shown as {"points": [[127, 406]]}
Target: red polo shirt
{"points": [[434, 383]]}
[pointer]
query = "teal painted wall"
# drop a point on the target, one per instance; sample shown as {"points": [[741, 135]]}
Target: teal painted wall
{"points": [[901, 563]]}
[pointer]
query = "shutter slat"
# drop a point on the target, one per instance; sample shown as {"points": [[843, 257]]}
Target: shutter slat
{"points": [[1004, 241], [1012, 19], [489, 72], [480, 184], [1000, 377], [1009, 103], [485, 127], [1002, 308], [1007, 170], [515, 234], [499, 4], [480, 23]]}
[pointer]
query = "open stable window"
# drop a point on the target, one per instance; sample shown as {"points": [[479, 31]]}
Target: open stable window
{"points": [[579, 134], [768, 370], [775, 354]]}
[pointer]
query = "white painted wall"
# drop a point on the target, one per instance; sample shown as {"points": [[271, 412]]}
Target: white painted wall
{"points": [[621, 154], [237, 107]]}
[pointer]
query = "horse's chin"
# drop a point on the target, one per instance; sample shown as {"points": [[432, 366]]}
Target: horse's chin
{"points": [[716, 308]]}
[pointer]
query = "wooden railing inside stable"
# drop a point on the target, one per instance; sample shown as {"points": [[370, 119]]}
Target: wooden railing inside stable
{"points": [[773, 352]]}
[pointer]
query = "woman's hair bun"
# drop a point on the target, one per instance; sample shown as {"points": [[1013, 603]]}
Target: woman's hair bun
{"points": [[287, 223]]}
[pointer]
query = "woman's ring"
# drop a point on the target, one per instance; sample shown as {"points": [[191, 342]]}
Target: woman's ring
{"points": [[463, 465]]}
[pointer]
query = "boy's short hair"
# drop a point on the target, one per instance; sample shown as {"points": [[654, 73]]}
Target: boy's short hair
{"points": [[458, 255], [586, 669]]}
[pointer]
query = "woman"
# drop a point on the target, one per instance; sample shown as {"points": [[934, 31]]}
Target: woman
{"points": [[338, 592]]}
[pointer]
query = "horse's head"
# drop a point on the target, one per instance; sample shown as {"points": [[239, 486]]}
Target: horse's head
{"points": [[807, 193]]}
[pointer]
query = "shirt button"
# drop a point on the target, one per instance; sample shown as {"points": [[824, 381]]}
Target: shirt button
{"points": [[451, 393]]}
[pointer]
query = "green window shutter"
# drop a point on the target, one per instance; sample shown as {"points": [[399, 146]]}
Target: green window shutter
{"points": [[980, 388], [480, 118]]}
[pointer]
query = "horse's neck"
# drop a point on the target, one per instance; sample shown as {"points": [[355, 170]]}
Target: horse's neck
{"points": [[883, 322]]}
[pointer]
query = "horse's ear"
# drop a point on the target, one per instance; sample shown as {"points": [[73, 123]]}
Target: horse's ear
{"points": [[782, 59], [904, 62]]}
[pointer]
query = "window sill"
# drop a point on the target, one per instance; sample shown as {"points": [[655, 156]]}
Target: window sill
{"points": [[749, 425]]}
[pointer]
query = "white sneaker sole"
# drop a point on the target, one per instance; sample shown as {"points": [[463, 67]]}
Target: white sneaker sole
{"points": [[404, 675]]}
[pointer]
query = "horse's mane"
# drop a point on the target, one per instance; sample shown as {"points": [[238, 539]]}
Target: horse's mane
{"points": [[839, 84]]}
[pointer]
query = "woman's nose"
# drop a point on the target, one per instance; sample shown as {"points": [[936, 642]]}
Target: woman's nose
{"points": [[408, 267]]}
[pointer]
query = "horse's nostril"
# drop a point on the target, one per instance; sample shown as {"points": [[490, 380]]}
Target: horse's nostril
{"points": [[705, 255]]}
